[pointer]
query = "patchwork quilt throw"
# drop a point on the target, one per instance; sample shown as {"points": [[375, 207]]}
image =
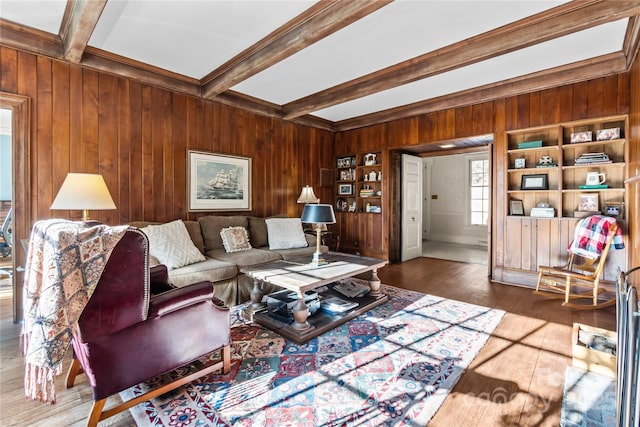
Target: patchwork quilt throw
{"points": [[391, 366], [64, 263]]}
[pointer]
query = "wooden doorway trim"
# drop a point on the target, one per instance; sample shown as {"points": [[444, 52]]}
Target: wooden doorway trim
{"points": [[20, 107]]}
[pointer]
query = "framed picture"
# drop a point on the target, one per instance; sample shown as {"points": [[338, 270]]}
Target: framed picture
{"points": [[344, 162], [614, 209], [516, 207], [218, 182], [520, 163], [534, 182], [588, 202], [345, 189]]}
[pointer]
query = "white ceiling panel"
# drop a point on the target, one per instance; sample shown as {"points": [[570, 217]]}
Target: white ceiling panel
{"points": [[397, 32], [575, 47], [45, 15], [189, 37]]}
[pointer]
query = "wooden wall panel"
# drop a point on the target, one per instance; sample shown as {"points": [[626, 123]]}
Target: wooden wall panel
{"points": [[634, 166], [138, 135]]}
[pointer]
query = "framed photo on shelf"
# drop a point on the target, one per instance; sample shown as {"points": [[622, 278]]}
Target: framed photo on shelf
{"points": [[614, 209], [589, 202], [516, 207], [535, 182], [344, 162], [520, 163], [218, 182], [345, 189]]}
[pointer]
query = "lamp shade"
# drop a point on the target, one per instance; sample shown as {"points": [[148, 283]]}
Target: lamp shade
{"points": [[318, 214], [307, 195], [83, 191]]}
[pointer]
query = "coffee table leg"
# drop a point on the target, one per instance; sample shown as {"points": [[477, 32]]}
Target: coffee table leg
{"points": [[374, 283], [300, 314], [256, 294]]}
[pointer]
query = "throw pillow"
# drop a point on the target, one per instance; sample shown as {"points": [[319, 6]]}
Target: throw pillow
{"points": [[171, 244], [285, 233], [235, 239]]}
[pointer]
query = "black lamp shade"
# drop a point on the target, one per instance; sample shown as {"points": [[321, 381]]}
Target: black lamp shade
{"points": [[318, 214]]}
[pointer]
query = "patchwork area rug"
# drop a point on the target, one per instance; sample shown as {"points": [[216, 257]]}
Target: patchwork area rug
{"points": [[392, 366], [589, 400]]}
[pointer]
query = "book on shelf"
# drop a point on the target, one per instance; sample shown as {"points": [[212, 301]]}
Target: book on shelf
{"points": [[335, 305], [593, 187], [543, 212]]}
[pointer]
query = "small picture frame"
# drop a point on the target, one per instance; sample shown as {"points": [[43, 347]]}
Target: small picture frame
{"points": [[344, 162], [585, 136], [516, 208], [521, 163], [535, 182], [589, 202], [345, 189], [614, 209]]}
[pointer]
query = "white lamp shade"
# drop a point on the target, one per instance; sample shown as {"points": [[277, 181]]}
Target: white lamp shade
{"points": [[307, 195], [83, 191]]}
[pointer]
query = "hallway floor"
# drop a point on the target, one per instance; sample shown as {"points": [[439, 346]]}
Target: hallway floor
{"points": [[455, 252]]}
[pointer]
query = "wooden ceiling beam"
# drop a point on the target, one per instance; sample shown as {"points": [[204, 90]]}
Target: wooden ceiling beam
{"points": [[554, 23], [321, 20], [631, 44], [78, 23], [30, 39], [613, 63]]}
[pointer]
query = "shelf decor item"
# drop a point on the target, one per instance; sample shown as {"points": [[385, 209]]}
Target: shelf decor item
{"points": [[614, 209], [535, 182], [530, 144], [345, 189], [607, 134], [546, 162], [588, 202], [585, 136], [516, 207], [520, 163], [369, 159]]}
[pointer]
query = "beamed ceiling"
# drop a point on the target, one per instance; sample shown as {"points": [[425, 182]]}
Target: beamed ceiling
{"points": [[335, 64]]}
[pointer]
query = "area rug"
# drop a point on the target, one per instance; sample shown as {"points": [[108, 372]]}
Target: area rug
{"points": [[392, 366], [589, 400]]}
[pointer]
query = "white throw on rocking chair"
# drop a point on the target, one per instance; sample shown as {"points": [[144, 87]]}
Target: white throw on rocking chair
{"points": [[593, 238]]}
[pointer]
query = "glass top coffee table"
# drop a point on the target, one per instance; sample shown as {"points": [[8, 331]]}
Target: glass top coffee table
{"points": [[299, 276]]}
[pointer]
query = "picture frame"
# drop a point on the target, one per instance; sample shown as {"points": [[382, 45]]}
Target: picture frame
{"points": [[516, 208], [614, 209], [538, 181], [520, 163], [345, 189], [588, 202], [344, 162], [218, 182]]}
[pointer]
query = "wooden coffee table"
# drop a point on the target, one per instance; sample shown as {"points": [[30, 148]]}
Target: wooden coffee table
{"points": [[299, 276]]}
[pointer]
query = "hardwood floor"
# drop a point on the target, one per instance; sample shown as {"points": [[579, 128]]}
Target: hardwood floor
{"points": [[516, 380]]}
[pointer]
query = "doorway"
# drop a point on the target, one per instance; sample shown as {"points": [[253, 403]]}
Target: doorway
{"points": [[456, 207], [6, 199]]}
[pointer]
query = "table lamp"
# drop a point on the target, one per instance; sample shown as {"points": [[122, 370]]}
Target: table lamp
{"points": [[307, 195], [318, 214], [83, 191]]}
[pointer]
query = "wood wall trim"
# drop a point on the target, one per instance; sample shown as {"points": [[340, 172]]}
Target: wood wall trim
{"points": [[317, 22], [557, 22], [21, 202], [78, 26], [579, 71], [30, 40], [631, 44]]}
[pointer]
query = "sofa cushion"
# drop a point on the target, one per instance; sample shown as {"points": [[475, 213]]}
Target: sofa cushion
{"points": [[258, 234], [285, 233], [235, 239], [212, 225], [193, 227], [245, 258], [172, 245], [209, 269]]}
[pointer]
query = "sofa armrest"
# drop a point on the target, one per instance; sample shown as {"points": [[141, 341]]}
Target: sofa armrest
{"points": [[179, 298]]}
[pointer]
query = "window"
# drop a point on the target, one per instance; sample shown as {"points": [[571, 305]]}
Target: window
{"points": [[479, 186]]}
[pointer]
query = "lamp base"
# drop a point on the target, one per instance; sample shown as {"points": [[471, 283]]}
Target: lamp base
{"points": [[317, 260]]}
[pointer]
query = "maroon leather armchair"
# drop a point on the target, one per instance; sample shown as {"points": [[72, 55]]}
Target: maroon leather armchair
{"points": [[126, 335]]}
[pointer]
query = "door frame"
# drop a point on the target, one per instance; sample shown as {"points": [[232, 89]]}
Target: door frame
{"points": [[20, 107]]}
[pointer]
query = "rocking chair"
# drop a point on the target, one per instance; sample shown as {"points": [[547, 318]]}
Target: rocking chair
{"points": [[580, 272]]}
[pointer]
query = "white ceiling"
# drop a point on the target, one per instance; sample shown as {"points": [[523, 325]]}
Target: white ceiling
{"points": [[193, 38]]}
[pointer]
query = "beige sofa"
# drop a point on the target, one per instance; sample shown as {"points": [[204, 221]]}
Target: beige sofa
{"points": [[222, 268]]}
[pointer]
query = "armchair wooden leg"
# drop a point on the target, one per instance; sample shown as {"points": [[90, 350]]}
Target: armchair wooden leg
{"points": [[567, 290], [96, 412], [73, 372], [226, 359]]}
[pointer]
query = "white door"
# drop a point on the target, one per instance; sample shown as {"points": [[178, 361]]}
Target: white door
{"points": [[411, 207]]}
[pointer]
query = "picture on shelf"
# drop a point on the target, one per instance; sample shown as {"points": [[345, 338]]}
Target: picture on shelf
{"points": [[534, 182], [588, 202], [614, 209], [520, 163], [516, 207], [345, 189]]}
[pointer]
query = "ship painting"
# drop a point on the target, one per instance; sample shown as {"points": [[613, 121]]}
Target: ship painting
{"points": [[220, 181]]}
